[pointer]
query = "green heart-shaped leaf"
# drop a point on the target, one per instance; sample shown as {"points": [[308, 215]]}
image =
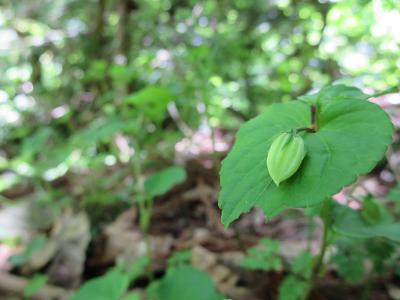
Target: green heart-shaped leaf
{"points": [[352, 137]]}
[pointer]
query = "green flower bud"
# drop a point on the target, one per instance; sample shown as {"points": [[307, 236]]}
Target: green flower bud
{"points": [[285, 156]]}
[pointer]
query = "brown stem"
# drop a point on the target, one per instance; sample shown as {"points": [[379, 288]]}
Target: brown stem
{"points": [[307, 129], [319, 262], [313, 127], [314, 124]]}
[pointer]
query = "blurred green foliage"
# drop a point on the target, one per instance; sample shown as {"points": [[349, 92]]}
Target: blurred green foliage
{"points": [[295, 285], [184, 282], [76, 73], [264, 257], [34, 285]]}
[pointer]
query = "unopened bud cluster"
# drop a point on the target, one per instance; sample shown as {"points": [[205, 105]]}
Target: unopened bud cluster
{"points": [[285, 155]]}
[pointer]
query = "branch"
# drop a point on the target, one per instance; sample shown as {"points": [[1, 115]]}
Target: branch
{"points": [[16, 285]]}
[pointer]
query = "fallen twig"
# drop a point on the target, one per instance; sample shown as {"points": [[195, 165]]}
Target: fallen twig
{"points": [[16, 285]]}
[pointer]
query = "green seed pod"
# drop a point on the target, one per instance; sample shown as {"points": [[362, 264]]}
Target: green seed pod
{"points": [[285, 156]]}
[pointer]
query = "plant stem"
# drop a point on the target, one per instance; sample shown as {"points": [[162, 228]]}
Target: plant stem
{"points": [[320, 259], [307, 129], [144, 208], [367, 287], [314, 126], [310, 231], [319, 262], [391, 90]]}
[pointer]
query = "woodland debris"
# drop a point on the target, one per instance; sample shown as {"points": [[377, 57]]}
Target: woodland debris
{"points": [[224, 278], [123, 239], [72, 234], [23, 219], [16, 285]]}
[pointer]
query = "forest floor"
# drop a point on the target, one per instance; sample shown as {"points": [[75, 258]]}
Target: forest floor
{"points": [[185, 218]]}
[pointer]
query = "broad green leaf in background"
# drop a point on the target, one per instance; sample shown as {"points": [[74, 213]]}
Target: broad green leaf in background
{"points": [[346, 145], [162, 181], [264, 256], [351, 223], [382, 214], [35, 284], [349, 265], [183, 283], [371, 211], [111, 286]]}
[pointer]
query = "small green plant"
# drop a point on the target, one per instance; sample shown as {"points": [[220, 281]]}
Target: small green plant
{"points": [[34, 285], [265, 256], [298, 283], [184, 282], [155, 185], [150, 105], [30, 250], [113, 285], [341, 144], [181, 282]]}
